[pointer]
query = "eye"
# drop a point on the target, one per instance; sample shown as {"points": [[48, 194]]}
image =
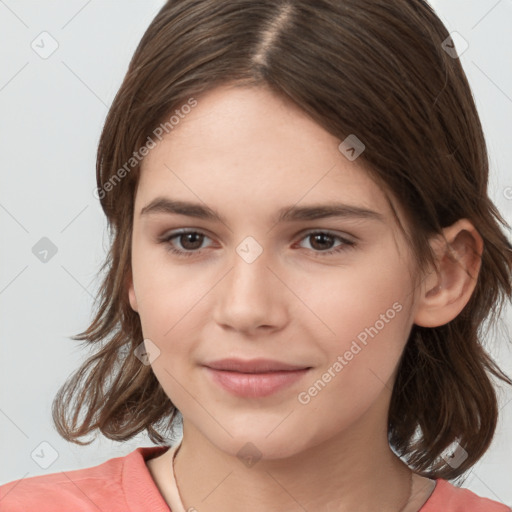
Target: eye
{"points": [[191, 241], [322, 238]]}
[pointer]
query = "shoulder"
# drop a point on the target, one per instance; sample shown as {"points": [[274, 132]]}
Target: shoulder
{"points": [[80, 490], [449, 498]]}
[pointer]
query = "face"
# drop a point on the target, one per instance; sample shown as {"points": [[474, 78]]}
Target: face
{"points": [[327, 294]]}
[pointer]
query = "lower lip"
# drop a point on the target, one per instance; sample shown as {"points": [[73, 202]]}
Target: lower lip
{"points": [[253, 385]]}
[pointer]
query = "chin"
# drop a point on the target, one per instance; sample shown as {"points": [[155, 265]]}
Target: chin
{"points": [[252, 443]]}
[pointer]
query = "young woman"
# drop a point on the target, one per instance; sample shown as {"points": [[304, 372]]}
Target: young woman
{"points": [[303, 255]]}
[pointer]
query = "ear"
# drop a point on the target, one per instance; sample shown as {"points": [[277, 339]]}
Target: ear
{"points": [[445, 291], [131, 291]]}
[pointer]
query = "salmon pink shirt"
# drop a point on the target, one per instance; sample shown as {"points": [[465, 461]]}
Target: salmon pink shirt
{"points": [[124, 484]]}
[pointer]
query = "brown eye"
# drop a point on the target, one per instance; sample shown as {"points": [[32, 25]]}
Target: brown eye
{"points": [[189, 242], [322, 243]]}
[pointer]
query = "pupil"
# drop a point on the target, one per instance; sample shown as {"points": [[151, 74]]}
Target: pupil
{"points": [[322, 237], [192, 235]]}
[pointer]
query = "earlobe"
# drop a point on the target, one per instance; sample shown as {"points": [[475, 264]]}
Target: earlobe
{"points": [[445, 291]]}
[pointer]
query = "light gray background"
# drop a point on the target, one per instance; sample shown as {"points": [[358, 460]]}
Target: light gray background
{"points": [[51, 114]]}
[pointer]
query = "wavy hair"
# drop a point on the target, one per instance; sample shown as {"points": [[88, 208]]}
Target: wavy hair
{"points": [[377, 69]]}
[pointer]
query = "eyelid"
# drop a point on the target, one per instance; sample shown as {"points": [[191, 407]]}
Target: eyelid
{"points": [[182, 231], [309, 231], [343, 235]]}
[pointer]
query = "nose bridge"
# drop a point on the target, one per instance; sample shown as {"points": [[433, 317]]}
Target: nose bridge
{"points": [[248, 296], [250, 266], [250, 250]]}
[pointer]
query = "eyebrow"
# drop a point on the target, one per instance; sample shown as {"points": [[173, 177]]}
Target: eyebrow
{"points": [[287, 214]]}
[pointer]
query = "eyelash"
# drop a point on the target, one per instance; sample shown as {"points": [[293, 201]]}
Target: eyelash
{"points": [[346, 245]]}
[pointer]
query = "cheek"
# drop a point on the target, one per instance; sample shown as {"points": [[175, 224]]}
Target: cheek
{"points": [[165, 293], [359, 360], [366, 319], [355, 297]]}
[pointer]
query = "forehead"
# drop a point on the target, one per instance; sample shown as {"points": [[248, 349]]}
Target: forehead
{"points": [[251, 150]]}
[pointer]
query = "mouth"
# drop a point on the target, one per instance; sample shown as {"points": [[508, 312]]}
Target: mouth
{"points": [[254, 378], [253, 365]]}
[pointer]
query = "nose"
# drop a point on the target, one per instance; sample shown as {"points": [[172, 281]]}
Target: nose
{"points": [[251, 296]]}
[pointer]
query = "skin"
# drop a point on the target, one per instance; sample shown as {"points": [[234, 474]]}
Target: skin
{"points": [[246, 153]]}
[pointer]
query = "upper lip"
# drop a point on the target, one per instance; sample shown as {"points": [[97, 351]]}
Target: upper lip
{"points": [[253, 365]]}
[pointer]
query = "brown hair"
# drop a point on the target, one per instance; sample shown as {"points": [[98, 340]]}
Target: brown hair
{"points": [[376, 69]]}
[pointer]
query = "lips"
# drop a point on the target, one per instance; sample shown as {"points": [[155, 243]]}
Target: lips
{"points": [[255, 378]]}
